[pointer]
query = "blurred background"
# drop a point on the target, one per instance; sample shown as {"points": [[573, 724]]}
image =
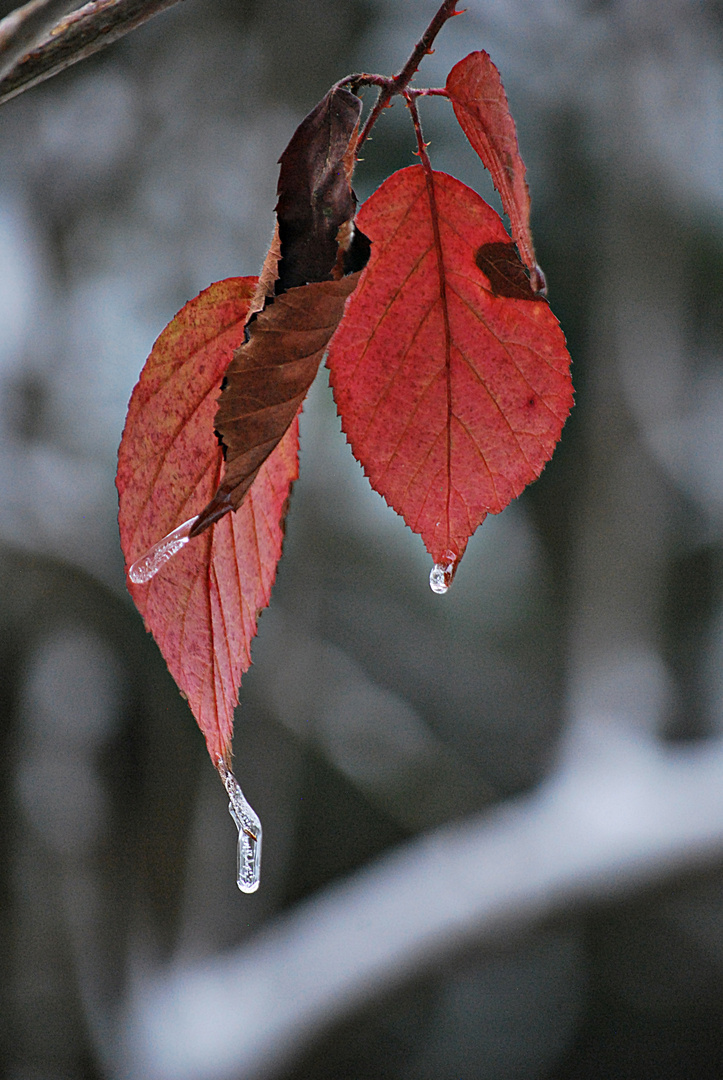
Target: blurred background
{"points": [[493, 820]]}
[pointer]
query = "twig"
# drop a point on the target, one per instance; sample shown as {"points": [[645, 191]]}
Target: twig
{"points": [[23, 28], [398, 84], [76, 37]]}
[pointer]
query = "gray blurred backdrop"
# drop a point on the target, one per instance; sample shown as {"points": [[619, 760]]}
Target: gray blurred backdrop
{"points": [[493, 821]]}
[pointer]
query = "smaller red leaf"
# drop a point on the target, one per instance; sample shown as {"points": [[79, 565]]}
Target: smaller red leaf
{"points": [[202, 606], [480, 105]]}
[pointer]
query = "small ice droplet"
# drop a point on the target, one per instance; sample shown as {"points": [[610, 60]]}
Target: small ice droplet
{"points": [[442, 573], [148, 565], [249, 832]]}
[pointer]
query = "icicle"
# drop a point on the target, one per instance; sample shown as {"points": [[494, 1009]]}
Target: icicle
{"points": [[148, 565], [442, 573], [249, 832]]}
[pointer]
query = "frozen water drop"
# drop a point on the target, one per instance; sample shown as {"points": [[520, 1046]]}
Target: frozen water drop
{"points": [[247, 822], [437, 579], [148, 565], [442, 573]]}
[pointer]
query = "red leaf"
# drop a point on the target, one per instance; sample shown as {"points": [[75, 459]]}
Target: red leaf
{"points": [[452, 393], [203, 605], [480, 105]]}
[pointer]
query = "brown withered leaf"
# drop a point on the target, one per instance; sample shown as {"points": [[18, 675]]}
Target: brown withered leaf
{"points": [[315, 197], [312, 266], [267, 381]]}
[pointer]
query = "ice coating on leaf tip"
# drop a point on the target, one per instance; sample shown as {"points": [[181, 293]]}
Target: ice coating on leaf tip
{"points": [[247, 822], [442, 574], [148, 565]]}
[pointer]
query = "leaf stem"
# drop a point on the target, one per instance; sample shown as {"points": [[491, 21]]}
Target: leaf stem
{"points": [[434, 214]]}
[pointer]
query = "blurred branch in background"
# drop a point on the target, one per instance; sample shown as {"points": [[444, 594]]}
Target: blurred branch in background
{"points": [[79, 35], [22, 29], [619, 812]]}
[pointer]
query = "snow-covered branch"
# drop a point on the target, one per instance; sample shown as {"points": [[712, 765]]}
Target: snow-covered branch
{"points": [[620, 810]]}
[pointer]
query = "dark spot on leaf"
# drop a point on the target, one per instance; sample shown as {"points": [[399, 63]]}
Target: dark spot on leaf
{"points": [[505, 271]]}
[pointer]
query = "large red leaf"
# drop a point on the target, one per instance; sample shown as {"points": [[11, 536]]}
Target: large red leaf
{"points": [[202, 606], [480, 105], [452, 391]]}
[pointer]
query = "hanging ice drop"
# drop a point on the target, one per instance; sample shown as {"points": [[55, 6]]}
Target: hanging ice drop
{"points": [[148, 565], [249, 832], [442, 573]]}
